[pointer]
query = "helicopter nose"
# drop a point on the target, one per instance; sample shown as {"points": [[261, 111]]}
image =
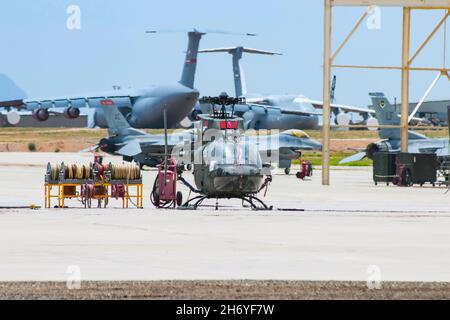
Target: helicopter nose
{"points": [[237, 171]]}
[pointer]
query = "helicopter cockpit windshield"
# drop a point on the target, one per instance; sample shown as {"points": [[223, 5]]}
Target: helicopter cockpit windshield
{"points": [[230, 152]]}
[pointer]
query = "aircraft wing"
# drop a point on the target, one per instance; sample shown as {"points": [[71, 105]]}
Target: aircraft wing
{"points": [[231, 49], [156, 143], [17, 104], [258, 101], [356, 157], [292, 111], [130, 149], [319, 105], [121, 97], [299, 112], [264, 101]]}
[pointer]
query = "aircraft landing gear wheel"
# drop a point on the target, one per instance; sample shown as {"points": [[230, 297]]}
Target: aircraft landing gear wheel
{"points": [[156, 199], [179, 198], [408, 181], [287, 171]]}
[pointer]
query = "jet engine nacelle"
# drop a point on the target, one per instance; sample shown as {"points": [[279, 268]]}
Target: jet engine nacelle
{"points": [[13, 118], [106, 146], [41, 114], [187, 122], [194, 116], [372, 122], [377, 147], [71, 113], [99, 119], [342, 119]]}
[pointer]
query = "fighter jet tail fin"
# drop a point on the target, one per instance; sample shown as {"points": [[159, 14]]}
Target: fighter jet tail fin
{"points": [[387, 115], [117, 124], [385, 111]]}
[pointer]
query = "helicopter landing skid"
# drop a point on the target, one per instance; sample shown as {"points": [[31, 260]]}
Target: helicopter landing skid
{"points": [[253, 201]]}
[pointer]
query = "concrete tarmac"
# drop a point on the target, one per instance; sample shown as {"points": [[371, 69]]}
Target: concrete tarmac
{"points": [[350, 231]]}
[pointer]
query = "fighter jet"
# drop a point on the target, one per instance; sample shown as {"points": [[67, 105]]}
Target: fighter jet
{"points": [[282, 111], [387, 115], [142, 108], [149, 150]]}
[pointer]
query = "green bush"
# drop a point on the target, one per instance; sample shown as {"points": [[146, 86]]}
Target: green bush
{"points": [[31, 147]]}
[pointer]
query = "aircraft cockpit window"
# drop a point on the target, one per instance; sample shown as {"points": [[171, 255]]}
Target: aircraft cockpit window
{"points": [[299, 134]]}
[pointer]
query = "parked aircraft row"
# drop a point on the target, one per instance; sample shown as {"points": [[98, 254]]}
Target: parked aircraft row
{"points": [[143, 108], [283, 111], [149, 150]]}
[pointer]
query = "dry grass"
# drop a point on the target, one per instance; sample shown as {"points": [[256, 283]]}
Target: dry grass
{"points": [[234, 290]]}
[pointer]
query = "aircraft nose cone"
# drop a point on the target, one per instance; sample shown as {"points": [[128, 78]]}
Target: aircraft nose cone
{"points": [[317, 145]]}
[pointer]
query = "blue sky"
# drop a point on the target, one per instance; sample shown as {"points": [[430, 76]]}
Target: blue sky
{"points": [[47, 59]]}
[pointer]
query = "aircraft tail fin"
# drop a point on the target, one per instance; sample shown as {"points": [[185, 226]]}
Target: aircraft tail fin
{"points": [[238, 72], [387, 115], [9, 90], [117, 124], [190, 63]]}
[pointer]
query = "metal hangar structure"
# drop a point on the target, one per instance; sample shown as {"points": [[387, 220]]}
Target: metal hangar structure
{"points": [[406, 66]]}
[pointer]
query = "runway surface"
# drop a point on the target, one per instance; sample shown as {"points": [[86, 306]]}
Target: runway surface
{"points": [[350, 231]]}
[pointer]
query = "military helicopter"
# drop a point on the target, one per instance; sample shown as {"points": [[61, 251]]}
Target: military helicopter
{"points": [[226, 166]]}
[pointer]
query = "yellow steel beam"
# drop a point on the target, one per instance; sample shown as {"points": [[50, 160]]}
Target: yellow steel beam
{"points": [[348, 66], [350, 35], [326, 114], [405, 79], [422, 4], [446, 75], [362, 126], [429, 37]]}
